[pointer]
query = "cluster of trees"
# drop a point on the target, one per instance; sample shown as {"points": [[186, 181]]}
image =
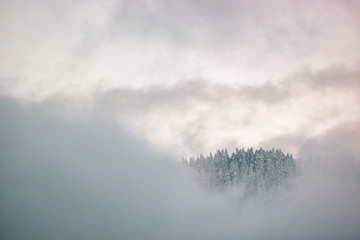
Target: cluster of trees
{"points": [[256, 172]]}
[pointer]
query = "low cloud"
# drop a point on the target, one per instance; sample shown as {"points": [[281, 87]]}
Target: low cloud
{"points": [[71, 175], [188, 92], [341, 142], [193, 112], [183, 95], [337, 143]]}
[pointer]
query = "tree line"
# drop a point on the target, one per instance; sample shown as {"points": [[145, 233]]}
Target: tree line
{"points": [[256, 171]]}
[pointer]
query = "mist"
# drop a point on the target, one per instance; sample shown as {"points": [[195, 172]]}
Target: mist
{"points": [[74, 174]]}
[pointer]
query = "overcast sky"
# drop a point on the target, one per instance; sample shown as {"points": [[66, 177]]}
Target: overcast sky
{"points": [[98, 99], [192, 76]]}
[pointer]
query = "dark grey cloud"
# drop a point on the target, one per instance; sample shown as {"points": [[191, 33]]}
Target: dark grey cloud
{"points": [[333, 78], [184, 94], [187, 92]]}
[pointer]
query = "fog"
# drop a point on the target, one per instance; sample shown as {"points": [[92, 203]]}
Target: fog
{"points": [[191, 76], [73, 174]]}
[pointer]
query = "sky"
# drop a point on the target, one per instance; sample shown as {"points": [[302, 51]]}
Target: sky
{"points": [[99, 100], [193, 76]]}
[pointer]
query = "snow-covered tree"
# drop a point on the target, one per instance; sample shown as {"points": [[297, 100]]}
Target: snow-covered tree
{"points": [[257, 171]]}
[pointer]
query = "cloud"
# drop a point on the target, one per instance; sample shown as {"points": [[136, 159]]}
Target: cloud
{"points": [[332, 78], [189, 92], [190, 75], [117, 44], [340, 142], [191, 114], [264, 73], [67, 174], [189, 108]]}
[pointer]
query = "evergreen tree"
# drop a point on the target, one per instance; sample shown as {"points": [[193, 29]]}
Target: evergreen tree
{"points": [[257, 171]]}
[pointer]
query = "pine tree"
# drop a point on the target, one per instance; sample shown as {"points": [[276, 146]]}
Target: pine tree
{"points": [[257, 171]]}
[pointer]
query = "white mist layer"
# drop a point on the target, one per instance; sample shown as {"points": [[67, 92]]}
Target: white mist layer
{"points": [[67, 175]]}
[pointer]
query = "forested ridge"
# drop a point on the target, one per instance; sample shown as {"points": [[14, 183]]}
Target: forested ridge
{"points": [[256, 171]]}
